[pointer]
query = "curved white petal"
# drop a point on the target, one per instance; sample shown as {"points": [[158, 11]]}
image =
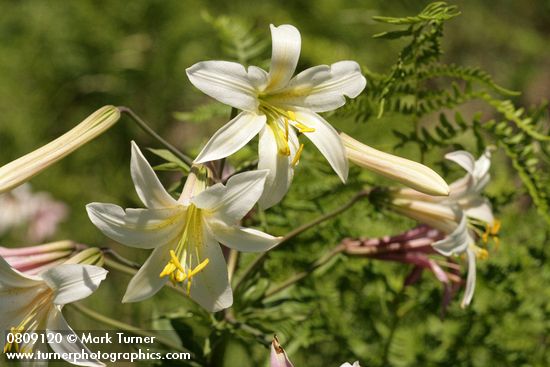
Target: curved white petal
{"points": [[471, 279], [280, 173], [456, 242], [355, 364], [73, 282], [72, 346], [327, 140], [479, 209], [233, 201], [147, 280], [286, 44], [211, 288], [15, 304], [258, 77], [231, 137], [142, 228], [463, 158], [148, 187], [11, 278], [228, 82], [322, 88], [242, 239]]}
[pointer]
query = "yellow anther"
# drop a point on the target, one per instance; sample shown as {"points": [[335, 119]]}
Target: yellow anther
{"points": [[485, 236], [481, 253], [198, 268], [175, 260], [291, 115], [168, 269], [303, 128], [297, 156], [496, 227]]}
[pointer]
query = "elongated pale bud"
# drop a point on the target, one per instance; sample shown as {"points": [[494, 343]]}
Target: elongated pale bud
{"points": [[410, 173], [35, 259], [278, 355], [22, 169], [89, 256], [439, 216]]}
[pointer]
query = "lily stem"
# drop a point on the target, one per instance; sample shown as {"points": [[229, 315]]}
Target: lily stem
{"points": [[299, 276], [145, 127], [119, 325], [294, 233]]}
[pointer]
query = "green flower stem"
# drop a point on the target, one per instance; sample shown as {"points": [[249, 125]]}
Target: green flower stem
{"points": [[142, 124], [232, 263], [126, 327], [294, 233], [299, 276]]}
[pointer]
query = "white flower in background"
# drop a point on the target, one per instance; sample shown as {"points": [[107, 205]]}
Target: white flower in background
{"points": [[279, 357], [410, 173], [34, 303], [185, 233], [24, 168], [465, 215], [276, 105], [38, 210]]}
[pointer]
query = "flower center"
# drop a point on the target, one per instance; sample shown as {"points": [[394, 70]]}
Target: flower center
{"points": [[281, 130], [185, 261], [31, 322]]}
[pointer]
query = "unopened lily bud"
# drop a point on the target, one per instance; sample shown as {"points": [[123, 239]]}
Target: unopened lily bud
{"points": [[442, 217], [410, 173], [278, 355], [89, 256], [35, 259], [22, 169]]}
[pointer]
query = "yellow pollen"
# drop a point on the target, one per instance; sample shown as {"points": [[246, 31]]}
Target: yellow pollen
{"points": [[297, 156], [291, 115]]}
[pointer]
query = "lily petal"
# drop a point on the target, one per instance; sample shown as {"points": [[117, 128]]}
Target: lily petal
{"points": [[234, 200], [322, 88], [74, 347], [141, 228], [327, 140], [11, 278], [280, 174], [463, 158], [471, 279], [286, 44], [148, 187], [73, 282], [456, 242], [147, 280], [232, 136], [480, 208], [211, 288], [241, 238], [227, 82]]}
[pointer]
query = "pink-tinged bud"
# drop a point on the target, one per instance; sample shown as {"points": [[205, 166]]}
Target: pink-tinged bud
{"points": [[36, 259], [22, 169], [410, 173], [278, 355]]}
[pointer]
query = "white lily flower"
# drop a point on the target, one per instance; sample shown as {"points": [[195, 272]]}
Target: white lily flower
{"points": [[410, 173], [185, 233], [465, 215], [24, 168], [32, 303], [276, 105]]}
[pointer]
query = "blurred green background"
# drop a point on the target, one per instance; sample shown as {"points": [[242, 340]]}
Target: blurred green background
{"points": [[61, 60]]}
